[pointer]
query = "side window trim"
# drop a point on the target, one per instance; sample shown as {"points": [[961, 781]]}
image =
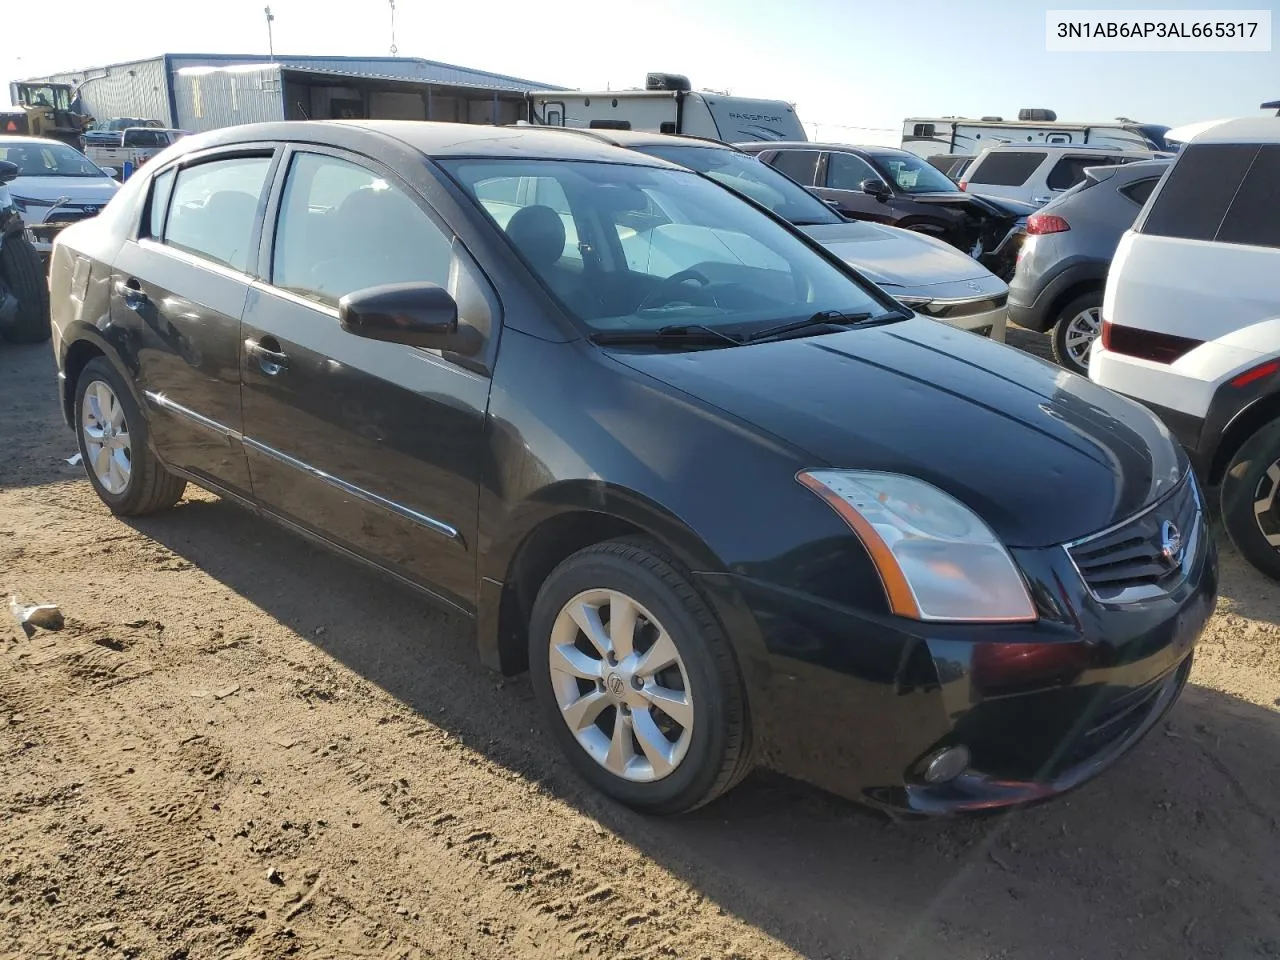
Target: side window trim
{"points": [[231, 152]]}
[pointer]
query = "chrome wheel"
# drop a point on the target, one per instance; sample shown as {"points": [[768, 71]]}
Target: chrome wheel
{"points": [[106, 437], [1082, 330], [621, 686], [1264, 505]]}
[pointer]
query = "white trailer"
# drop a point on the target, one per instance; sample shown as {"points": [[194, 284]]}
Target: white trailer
{"points": [[928, 137], [668, 105]]}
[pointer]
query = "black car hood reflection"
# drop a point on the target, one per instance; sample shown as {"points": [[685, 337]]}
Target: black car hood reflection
{"points": [[1042, 455]]}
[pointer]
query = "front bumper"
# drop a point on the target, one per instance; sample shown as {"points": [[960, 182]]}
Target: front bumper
{"points": [[855, 702]]}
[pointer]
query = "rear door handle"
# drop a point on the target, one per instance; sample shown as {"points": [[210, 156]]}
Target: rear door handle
{"points": [[267, 352], [1041, 199], [130, 291]]}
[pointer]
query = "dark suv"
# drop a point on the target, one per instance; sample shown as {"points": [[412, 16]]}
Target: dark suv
{"points": [[1063, 263], [898, 188]]}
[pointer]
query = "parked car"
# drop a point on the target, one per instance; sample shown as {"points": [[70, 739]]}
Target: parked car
{"points": [[131, 148], [1191, 321], [106, 132], [721, 495], [56, 185], [24, 296], [1062, 267], [931, 277], [898, 188], [1038, 175]]}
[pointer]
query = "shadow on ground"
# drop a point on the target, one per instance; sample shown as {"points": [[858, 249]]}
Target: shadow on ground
{"points": [[1120, 868]]}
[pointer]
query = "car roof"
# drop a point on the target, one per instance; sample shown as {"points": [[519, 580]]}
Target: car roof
{"points": [[631, 139], [7, 139], [1241, 130], [437, 140], [1068, 148], [814, 145]]}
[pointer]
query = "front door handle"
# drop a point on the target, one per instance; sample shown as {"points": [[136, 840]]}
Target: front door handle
{"points": [[271, 360], [130, 292]]}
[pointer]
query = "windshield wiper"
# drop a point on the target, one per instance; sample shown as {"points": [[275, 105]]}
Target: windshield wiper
{"points": [[692, 333], [823, 318]]}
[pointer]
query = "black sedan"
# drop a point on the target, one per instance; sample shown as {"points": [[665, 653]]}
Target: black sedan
{"points": [[724, 498], [898, 188]]}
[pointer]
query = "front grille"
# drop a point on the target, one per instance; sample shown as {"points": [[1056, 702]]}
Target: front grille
{"points": [[1128, 563]]}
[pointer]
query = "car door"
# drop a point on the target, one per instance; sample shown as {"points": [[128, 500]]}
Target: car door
{"points": [[374, 446], [179, 288], [845, 174]]}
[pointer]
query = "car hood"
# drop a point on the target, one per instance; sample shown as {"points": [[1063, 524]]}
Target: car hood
{"points": [[79, 190], [1042, 455], [893, 257]]}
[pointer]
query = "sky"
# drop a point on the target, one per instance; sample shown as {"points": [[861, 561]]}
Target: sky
{"points": [[854, 70]]}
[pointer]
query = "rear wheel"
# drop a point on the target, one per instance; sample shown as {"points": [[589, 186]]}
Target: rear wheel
{"points": [[1077, 326], [112, 436], [1250, 499], [23, 271], [638, 684]]}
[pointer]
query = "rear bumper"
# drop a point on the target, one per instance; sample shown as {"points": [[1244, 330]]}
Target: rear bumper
{"points": [[856, 703]]}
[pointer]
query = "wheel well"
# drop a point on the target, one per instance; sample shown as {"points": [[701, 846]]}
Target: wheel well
{"points": [[920, 225], [548, 545], [78, 356], [1253, 419], [1078, 289]]}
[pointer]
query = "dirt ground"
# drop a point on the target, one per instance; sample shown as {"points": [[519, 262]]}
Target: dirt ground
{"points": [[244, 747]]}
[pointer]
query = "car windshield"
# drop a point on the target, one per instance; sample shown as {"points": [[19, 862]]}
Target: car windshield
{"points": [[752, 178], [635, 249], [49, 160], [913, 175]]}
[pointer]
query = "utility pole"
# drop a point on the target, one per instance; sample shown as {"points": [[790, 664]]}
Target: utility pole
{"points": [[271, 46], [394, 49]]}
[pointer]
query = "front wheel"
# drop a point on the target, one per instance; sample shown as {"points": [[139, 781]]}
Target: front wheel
{"points": [[23, 272], [636, 680], [1078, 325], [1250, 499]]}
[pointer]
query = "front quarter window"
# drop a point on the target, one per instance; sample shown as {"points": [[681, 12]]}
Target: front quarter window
{"points": [[637, 249]]}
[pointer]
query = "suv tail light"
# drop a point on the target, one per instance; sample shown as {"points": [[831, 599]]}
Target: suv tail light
{"points": [[1145, 344], [1257, 373], [1041, 223], [964, 184]]}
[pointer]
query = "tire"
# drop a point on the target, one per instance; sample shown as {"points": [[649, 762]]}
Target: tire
{"points": [[713, 751], [1253, 475], [23, 271], [1070, 326], [147, 487]]}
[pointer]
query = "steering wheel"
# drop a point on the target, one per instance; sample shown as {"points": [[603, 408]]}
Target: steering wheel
{"points": [[667, 291]]}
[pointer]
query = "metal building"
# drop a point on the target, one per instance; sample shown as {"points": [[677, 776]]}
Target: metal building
{"points": [[198, 91]]}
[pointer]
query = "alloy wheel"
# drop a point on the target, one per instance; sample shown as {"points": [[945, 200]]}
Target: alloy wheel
{"points": [[1082, 330], [106, 437], [1264, 505], [621, 685]]}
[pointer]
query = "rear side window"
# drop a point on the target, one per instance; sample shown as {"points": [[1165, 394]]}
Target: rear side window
{"points": [[1199, 189], [800, 165], [1254, 214], [1009, 169], [1069, 171], [215, 207], [1140, 190]]}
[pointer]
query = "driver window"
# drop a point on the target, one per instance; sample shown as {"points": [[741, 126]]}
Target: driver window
{"points": [[343, 227], [846, 172]]}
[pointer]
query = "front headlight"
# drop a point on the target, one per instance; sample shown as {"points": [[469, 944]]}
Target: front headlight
{"points": [[936, 558]]}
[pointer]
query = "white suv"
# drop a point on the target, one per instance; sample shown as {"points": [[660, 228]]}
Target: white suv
{"points": [[1038, 174], [1191, 321]]}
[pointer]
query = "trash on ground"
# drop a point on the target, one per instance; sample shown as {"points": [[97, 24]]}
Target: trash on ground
{"points": [[46, 616], [74, 460]]}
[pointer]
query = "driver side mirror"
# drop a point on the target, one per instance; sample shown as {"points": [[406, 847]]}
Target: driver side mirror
{"points": [[876, 188], [112, 172], [8, 171], [414, 314]]}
